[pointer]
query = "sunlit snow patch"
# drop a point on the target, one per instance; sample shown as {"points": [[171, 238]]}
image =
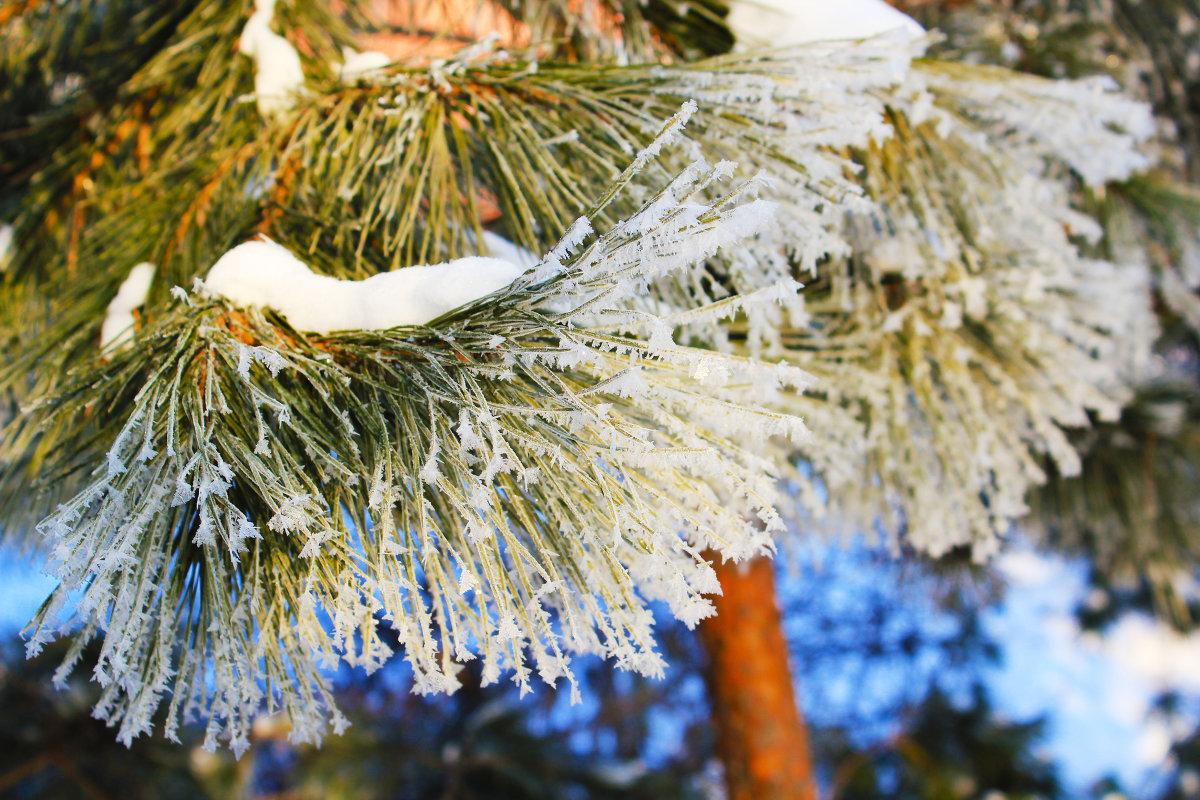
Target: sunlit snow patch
{"points": [[117, 329], [779, 23], [264, 274]]}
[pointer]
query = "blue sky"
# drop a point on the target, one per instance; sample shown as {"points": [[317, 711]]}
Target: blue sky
{"points": [[1097, 691], [24, 590]]}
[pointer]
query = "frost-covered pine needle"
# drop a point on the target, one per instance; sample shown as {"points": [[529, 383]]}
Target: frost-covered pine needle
{"points": [[965, 335], [507, 485]]}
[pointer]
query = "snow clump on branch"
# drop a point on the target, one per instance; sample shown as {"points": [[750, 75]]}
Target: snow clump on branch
{"points": [[117, 330], [780, 23], [278, 76], [6, 245], [265, 274], [357, 64]]}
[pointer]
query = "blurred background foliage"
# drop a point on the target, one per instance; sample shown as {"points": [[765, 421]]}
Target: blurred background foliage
{"points": [[1134, 512], [892, 661]]}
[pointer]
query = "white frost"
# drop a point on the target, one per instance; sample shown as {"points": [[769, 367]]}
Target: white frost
{"points": [[780, 23], [265, 274], [117, 330], [356, 64], [278, 77]]}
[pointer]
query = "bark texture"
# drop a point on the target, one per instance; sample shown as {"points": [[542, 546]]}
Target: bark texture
{"points": [[760, 733]]}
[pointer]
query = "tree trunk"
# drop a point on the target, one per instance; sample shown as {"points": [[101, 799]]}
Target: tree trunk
{"points": [[760, 734]]}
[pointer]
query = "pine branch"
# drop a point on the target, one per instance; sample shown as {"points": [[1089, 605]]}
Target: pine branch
{"points": [[428, 142], [369, 178], [224, 494], [1132, 509], [76, 147], [967, 332], [505, 479], [629, 31]]}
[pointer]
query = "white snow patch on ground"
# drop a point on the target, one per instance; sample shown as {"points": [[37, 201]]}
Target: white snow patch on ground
{"points": [[1025, 568], [1154, 653]]}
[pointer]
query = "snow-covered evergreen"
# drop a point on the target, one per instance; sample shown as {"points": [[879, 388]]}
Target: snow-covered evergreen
{"points": [[345, 416], [545, 464]]}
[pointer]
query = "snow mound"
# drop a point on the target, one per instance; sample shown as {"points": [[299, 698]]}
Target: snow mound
{"points": [[780, 23], [278, 77], [117, 329], [6, 245], [265, 274], [356, 64]]}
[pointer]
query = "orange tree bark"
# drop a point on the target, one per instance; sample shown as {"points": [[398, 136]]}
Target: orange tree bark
{"points": [[760, 733]]}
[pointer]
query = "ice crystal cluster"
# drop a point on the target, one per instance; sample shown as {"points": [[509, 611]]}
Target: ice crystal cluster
{"points": [[1132, 505], [1157, 61], [385, 420], [955, 315], [967, 331]]}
